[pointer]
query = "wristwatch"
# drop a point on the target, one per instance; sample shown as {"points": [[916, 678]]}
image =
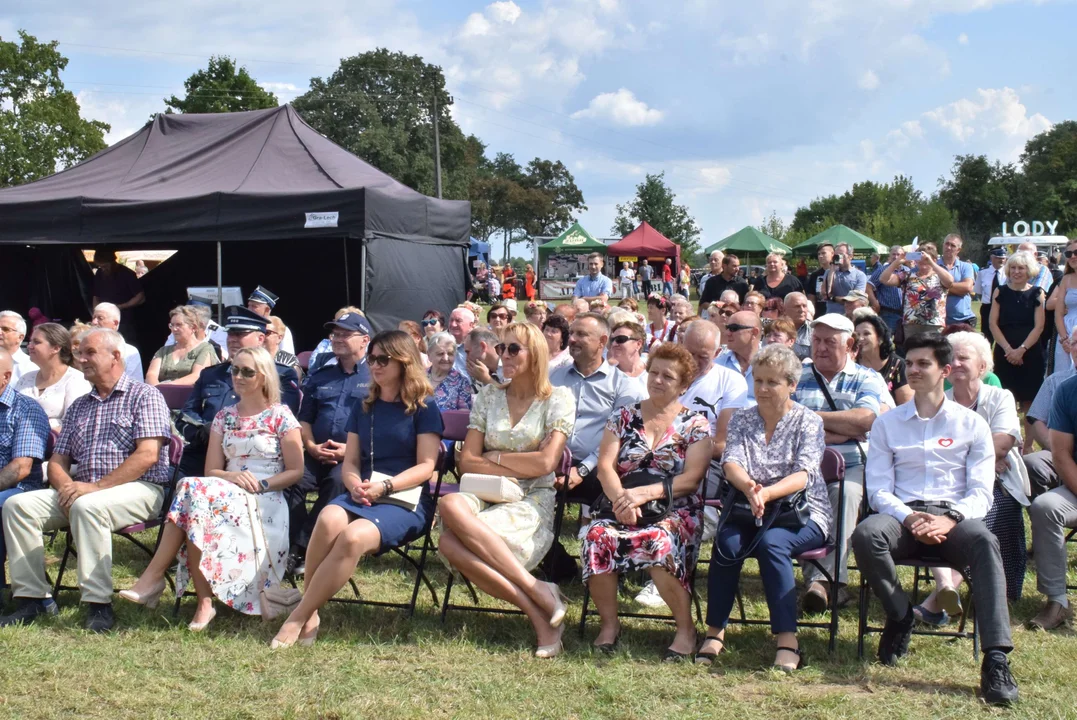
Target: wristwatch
{"points": [[954, 515], [583, 470], [264, 484]]}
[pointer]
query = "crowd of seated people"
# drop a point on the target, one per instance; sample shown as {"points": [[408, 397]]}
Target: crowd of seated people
{"points": [[654, 410]]}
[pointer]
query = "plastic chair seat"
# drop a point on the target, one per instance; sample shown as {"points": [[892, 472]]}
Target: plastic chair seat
{"points": [[816, 554]]}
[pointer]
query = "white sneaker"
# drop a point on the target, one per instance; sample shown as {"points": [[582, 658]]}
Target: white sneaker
{"points": [[649, 597]]}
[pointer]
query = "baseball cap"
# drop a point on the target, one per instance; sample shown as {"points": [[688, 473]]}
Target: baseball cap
{"points": [[351, 321], [855, 295], [836, 321]]}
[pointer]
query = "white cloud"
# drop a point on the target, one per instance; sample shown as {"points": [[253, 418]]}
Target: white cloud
{"points": [[125, 118], [995, 117], [962, 39], [285, 91], [506, 12], [476, 25], [869, 80], [715, 177], [621, 108]]}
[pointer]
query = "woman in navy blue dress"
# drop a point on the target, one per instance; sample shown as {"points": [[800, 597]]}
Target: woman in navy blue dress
{"points": [[394, 436]]}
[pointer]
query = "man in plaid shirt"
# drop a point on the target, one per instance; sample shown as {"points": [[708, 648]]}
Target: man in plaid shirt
{"points": [[118, 435]]}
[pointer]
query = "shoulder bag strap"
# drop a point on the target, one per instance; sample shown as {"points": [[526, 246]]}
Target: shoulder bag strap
{"points": [[834, 407], [717, 555]]}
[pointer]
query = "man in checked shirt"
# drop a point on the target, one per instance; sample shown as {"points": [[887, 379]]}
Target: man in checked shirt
{"points": [[118, 435]]}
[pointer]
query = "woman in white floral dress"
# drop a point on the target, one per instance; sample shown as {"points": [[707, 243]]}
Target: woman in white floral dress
{"points": [[230, 528], [516, 430]]}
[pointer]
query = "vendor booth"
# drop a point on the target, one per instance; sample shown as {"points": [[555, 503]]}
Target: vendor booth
{"points": [[860, 243], [644, 245], [749, 244], [244, 199], [564, 259]]}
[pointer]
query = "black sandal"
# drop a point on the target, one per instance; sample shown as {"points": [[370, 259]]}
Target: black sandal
{"points": [[672, 656], [786, 668], [611, 647], [708, 658]]}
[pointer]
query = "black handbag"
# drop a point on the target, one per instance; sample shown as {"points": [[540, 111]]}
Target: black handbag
{"points": [[650, 512], [791, 512]]}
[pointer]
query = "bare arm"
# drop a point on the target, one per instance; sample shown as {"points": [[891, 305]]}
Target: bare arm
{"points": [[962, 288], [1041, 434], [606, 468], [890, 276], [59, 471], [426, 459], [188, 379], [515, 464], [945, 278], [849, 423], [154, 370], [1003, 442], [15, 472], [1037, 329], [992, 320], [291, 449], [1062, 454], [872, 300], [719, 439], [147, 450]]}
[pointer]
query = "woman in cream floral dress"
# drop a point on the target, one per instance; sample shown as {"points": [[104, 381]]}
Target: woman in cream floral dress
{"points": [[230, 528], [517, 430]]}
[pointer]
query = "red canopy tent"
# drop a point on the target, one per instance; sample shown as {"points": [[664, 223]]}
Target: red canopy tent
{"points": [[646, 244]]}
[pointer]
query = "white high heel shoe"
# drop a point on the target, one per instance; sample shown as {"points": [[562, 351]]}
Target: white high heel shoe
{"points": [[546, 652], [150, 599]]}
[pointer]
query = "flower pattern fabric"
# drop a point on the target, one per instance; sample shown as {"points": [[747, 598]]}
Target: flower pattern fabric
{"points": [[219, 517], [925, 300], [454, 392], [673, 542]]}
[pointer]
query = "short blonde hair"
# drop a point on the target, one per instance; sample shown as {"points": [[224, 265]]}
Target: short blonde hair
{"points": [[538, 352], [978, 344], [276, 325], [1026, 260], [187, 316], [266, 368]]}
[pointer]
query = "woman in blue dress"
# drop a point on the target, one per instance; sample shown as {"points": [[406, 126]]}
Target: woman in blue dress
{"points": [[392, 448]]}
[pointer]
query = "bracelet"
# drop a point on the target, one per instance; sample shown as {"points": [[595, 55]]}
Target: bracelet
{"points": [[499, 458], [386, 487]]}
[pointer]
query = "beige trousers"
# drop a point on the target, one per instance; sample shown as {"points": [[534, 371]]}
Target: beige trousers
{"points": [[93, 517]]}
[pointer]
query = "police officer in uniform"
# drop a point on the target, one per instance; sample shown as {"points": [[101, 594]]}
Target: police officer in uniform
{"points": [[261, 302], [213, 390], [329, 395]]}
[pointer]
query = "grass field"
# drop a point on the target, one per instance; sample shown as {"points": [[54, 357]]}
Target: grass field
{"points": [[375, 663]]}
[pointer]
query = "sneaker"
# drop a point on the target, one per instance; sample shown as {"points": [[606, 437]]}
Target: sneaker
{"points": [[996, 681], [894, 642], [99, 617], [929, 617], [649, 597], [816, 598], [1051, 616], [28, 610]]}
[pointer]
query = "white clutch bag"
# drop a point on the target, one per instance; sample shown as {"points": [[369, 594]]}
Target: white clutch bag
{"points": [[492, 488], [407, 499]]}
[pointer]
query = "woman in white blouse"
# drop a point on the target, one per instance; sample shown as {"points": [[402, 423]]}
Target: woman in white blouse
{"points": [[55, 384]]}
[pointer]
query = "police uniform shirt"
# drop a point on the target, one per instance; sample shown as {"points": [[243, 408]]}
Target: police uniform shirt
{"points": [[329, 398]]}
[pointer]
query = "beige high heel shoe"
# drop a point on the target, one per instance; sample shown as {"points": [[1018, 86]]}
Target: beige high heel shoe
{"points": [[560, 604], [200, 626], [546, 652], [150, 599]]}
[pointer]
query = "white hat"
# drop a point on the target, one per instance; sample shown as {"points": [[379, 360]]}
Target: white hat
{"points": [[836, 321], [510, 305]]}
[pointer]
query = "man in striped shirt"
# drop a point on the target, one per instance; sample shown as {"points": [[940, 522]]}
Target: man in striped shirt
{"points": [[885, 299]]}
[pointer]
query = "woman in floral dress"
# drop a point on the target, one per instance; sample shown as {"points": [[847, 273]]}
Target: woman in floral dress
{"points": [[925, 291], [662, 435], [230, 528], [517, 430]]}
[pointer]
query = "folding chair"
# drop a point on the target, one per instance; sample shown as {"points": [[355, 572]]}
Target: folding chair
{"points": [[562, 470], [175, 395], [1072, 538], [175, 454]]}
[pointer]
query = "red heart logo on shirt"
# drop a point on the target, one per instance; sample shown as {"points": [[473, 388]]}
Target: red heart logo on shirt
{"points": [[946, 442]]}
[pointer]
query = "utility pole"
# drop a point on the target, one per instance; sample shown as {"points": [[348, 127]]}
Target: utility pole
{"points": [[437, 147]]}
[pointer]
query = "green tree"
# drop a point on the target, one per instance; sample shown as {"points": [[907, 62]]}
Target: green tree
{"points": [[220, 88], [774, 227], [1050, 165], [379, 106], [41, 129], [654, 203], [982, 195]]}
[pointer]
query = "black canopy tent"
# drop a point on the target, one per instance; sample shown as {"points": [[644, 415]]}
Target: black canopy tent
{"points": [[324, 228]]}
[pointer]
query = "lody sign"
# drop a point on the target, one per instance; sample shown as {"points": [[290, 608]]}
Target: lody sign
{"points": [[1021, 228]]}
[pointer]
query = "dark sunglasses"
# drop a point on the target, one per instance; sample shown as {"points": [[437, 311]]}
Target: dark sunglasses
{"points": [[726, 313], [1069, 253], [512, 349], [380, 360], [622, 339], [500, 316], [431, 321], [246, 372], [736, 327]]}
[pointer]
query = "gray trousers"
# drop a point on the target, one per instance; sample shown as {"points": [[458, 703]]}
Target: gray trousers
{"points": [[880, 541], [854, 494], [1042, 475], [1051, 514]]}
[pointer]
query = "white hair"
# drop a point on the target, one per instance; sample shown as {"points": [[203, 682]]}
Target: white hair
{"points": [[1025, 259], [440, 338], [468, 310], [796, 296], [729, 296], [20, 324], [781, 359], [719, 253], [112, 340], [862, 312], [109, 309], [978, 344]]}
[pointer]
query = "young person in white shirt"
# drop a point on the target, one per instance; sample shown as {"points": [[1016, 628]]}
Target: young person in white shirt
{"points": [[930, 478]]}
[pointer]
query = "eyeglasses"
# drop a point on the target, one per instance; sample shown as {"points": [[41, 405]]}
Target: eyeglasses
{"points": [[380, 360], [1069, 253], [499, 316], [246, 372], [176, 326], [622, 339], [342, 335], [736, 327], [512, 349], [726, 313], [430, 322]]}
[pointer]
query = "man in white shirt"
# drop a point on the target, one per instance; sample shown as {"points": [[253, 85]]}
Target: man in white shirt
{"points": [[107, 315], [984, 287], [627, 276], [930, 479], [12, 333]]}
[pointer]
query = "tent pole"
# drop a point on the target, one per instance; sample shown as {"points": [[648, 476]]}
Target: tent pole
{"points": [[347, 284], [362, 277], [220, 289]]}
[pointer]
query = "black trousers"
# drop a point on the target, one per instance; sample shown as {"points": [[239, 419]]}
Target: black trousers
{"points": [[880, 541], [327, 480], [985, 322]]}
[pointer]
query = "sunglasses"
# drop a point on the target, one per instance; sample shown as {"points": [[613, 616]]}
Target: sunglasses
{"points": [[380, 360], [621, 339], [431, 321], [499, 316], [1069, 253], [736, 327], [726, 313], [245, 372], [512, 349]]}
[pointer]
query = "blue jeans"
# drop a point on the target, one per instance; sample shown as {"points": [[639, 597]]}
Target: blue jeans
{"points": [[4, 495], [775, 553], [667, 289], [892, 318]]}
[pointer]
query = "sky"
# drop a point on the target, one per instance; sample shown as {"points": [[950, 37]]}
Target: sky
{"points": [[748, 107]]}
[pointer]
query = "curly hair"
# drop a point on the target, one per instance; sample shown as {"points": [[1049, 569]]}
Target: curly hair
{"points": [[415, 387], [679, 356]]}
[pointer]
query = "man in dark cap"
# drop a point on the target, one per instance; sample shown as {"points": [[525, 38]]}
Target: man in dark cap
{"points": [[262, 301], [986, 281], [213, 391], [329, 396]]}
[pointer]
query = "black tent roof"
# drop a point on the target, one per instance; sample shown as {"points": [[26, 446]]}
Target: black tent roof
{"points": [[232, 176]]}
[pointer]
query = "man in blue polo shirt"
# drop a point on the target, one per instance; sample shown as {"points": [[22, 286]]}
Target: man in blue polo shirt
{"points": [[594, 285], [329, 397], [959, 295]]}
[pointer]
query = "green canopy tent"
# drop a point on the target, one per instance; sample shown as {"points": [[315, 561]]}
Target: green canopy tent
{"points": [[561, 260], [859, 242], [747, 242]]}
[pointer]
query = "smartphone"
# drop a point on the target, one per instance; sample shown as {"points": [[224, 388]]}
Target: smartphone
{"points": [[914, 256]]}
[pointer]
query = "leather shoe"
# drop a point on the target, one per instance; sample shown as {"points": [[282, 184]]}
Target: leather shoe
{"points": [[27, 611], [894, 642], [1051, 616], [996, 680], [816, 599], [99, 618]]}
